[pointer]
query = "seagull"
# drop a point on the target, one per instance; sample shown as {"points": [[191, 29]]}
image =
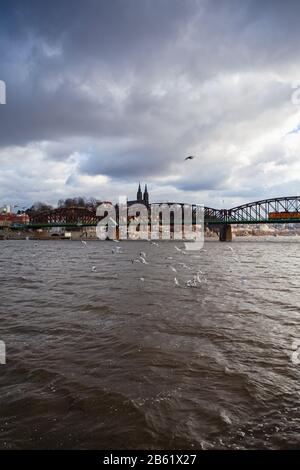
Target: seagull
{"points": [[184, 265], [191, 283], [83, 242], [176, 281], [143, 260], [116, 250], [173, 269], [190, 157]]}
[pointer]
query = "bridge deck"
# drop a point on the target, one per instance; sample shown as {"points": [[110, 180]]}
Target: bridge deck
{"points": [[206, 222]]}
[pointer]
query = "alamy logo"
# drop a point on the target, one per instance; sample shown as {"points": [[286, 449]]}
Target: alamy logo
{"points": [[2, 353], [156, 221], [2, 92]]}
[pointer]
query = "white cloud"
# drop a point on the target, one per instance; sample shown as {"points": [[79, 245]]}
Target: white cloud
{"points": [[98, 101]]}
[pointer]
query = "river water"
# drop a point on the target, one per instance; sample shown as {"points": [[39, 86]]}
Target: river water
{"points": [[105, 353]]}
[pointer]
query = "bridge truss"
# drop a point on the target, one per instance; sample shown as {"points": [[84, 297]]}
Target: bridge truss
{"points": [[252, 213], [65, 216], [257, 212]]}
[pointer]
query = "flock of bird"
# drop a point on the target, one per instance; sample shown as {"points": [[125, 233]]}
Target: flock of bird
{"points": [[197, 278], [195, 281]]}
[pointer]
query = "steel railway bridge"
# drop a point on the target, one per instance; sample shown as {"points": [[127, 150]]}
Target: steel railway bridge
{"points": [[280, 210]]}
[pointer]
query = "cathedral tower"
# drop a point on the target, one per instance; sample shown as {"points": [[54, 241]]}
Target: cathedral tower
{"points": [[139, 196], [146, 196]]}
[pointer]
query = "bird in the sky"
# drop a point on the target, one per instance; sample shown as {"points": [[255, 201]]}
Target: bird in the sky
{"points": [[190, 157]]}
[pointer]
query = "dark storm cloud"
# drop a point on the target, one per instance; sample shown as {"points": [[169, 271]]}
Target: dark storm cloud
{"points": [[131, 86], [65, 45]]}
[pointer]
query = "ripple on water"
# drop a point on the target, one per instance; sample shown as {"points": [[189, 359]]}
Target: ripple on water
{"points": [[96, 355]]}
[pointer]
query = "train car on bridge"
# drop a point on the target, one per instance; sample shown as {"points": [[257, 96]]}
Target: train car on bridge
{"points": [[284, 215]]}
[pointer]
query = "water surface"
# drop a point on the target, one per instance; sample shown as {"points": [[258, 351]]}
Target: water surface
{"points": [[99, 358]]}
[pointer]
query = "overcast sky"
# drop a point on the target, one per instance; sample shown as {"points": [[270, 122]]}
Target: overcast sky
{"points": [[104, 93]]}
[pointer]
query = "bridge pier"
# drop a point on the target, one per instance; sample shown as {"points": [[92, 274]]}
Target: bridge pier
{"points": [[225, 233]]}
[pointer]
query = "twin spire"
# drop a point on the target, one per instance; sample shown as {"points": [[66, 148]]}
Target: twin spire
{"points": [[142, 198]]}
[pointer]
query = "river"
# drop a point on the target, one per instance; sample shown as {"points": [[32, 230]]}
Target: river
{"points": [[106, 352]]}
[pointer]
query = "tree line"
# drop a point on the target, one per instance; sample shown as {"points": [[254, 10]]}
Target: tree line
{"points": [[79, 201]]}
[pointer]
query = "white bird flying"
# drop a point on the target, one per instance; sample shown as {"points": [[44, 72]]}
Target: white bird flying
{"points": [[184, 266], [191, 283]]}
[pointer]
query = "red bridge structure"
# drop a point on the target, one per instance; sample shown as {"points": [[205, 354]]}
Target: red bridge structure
{"points": [[64, 217]]}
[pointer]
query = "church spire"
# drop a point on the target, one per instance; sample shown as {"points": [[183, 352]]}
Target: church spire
{"points": [[139, 195], [146, 196]]}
